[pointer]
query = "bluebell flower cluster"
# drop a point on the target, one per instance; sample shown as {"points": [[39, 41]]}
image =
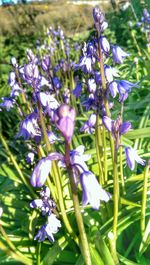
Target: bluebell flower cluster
{"points": [[47, 207], [96, 50]]}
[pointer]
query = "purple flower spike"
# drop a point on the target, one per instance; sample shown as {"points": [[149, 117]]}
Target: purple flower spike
{"points": [[65, 119], [124, 127], [92, 192], [105, 44], [108, 123], [132, 157], [118, 54], [41, 172]]}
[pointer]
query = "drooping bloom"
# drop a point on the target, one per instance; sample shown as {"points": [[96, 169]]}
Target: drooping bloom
{"points": [[132, 157], [116, 126], [77, 90], [118, 54], [30, 157], [43, 168], [92, 192], [65, 121], [89, 124], [105, 44], [48, 229], [7, 103], [41, 172], [91, 85], [29, 127]]}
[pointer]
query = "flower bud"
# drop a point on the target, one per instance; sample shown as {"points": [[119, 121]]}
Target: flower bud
{"points": [[65, 118]]}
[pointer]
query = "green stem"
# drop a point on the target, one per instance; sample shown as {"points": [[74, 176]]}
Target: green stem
{"points": [[84, 242], [144, 195], [105, 155], [116, 190], [4, 143], [121, 170], [99, 150]]}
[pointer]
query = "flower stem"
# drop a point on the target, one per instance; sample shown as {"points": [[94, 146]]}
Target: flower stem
{"points": [[99, 150], [84, 242], [144, 195], [116, 190]]}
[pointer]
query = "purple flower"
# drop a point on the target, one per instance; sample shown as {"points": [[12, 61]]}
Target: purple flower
{"points": [[132, 157], [77, 90], [42, 169], [85, 64], [91, 85], [45, 204], [92, 192], [30, 158], [113, 88], [29, 128], [116, 126], [13, 61], [89, 124], [52, 137], [46, 63], [7, 103], [41, 172], [48, 229], [65, 121], [105, 44], [125, 86], [118, 54], [12, 78], [15, 90], [77, 159], [57, 83]]}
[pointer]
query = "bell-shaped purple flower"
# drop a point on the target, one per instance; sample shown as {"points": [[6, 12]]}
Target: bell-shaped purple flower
{"points": [[132, 157], [91, 85], [48, 229], [118, 54], [125, 127], [13, 62], [41, 172], [65, 121], [125, 86], [92, 192], [12, 78], [57, 83], [7, 103], [29, 127], [45, 63], [105, 44], [88, 127], [52, 137], [77, 90], [113, 88], [30, 158], [116, 126]]}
